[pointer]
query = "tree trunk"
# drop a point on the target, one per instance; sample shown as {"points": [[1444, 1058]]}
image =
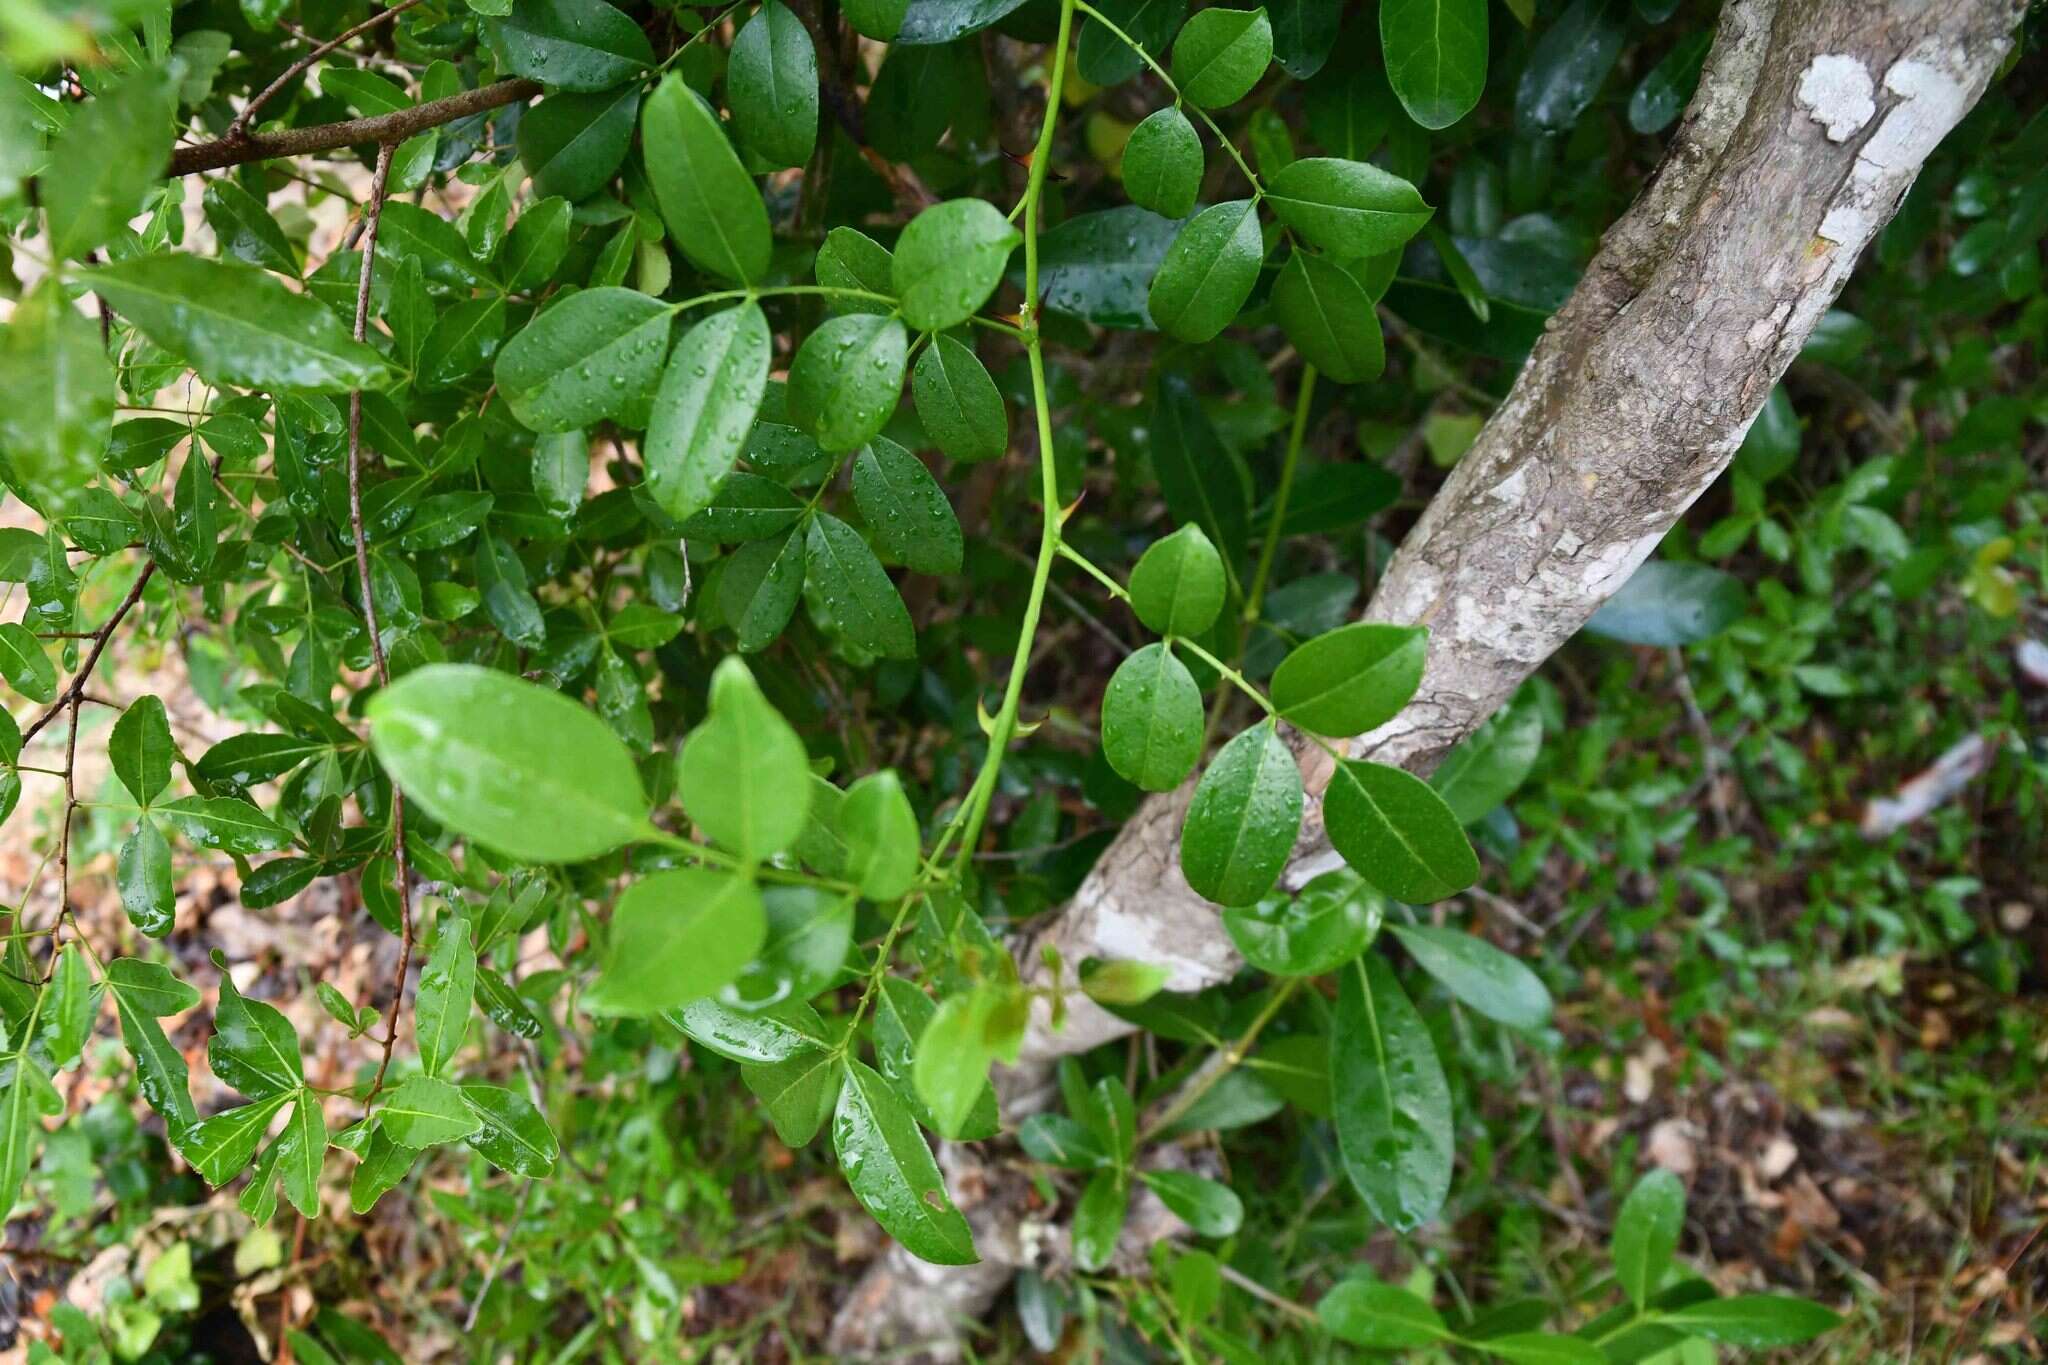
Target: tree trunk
{"points": [[1811, 120]]}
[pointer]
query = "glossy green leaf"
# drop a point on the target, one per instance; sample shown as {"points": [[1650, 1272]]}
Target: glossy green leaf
{"points": [[905, 509], [1348, 208], [774, 1034], [1646, 1234], [799, 1092], [850, 259], [857, 591], [1221, 54], [1328, 315], [771, 80], [1163, 163], [223, 823], [501, 579], [254, 1048], [1754, 1321], [1152, 720], [954, 1050], [517, 766], [1397, 832], [1204, 480], [892, 1172], [1350, 680], [582, 45], [584, 359], [1772, 442], [1668, 603], [111, 150], [1244, 818], [447, 988], [881, 20], [25, 665], [1103, 58], [535, 247], [1381, 1316], [511, 1134], [302, 1152], [143, 993], [949, 260], [880, 830], [1393, 1105], [1209, 270], [238, 325], [1208, 1206], [759, 590], [846, 379], [219, 1147], [56, 401], [1567, 66], [245, 229], [1304, 34], [713, 211], [425, 1111], [445, 519], [705, 408], [1326, 924], [1489, 764], [142, 874], [69, 1009], [382, 1167], [958, 403], [1178, 584], [1480, 975], [677, 936], [1099, 267], [1543, 1348], [744, 776], [1099, 1219], [1436, 57], [573, 144]]}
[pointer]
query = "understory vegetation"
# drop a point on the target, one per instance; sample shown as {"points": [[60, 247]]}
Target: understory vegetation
{"points": [[579, 580]]}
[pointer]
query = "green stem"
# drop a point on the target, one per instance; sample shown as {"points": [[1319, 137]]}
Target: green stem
{"points": [[1072, 555], [1257, 596], [1229, 674], [1222, 1063], [1258, 190], [975, 811]]}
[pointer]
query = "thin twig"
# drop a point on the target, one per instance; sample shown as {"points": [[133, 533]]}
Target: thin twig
{"points": [[372, 212], [92, 658], [383, 129], [476, 1305], [239, 129]]}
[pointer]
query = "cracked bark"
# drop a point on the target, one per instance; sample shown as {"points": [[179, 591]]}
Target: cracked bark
{"points": [[1811, 120]]}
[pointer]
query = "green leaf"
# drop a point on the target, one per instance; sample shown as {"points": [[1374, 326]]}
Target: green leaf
{"points": [[1208, 1206], [56, 401], [382, 1167], [1646, 1234], [512, 764], [1152, 720], [1348, 208], [144, 992], [254, 1048], [445, 519], [1099, 1219], [930, 22], [846, 378], [902, 1015], [642, 625], [1209, 270], [1772, 442], [678, 936], [511, 1134], [140, 748], [1380, 1316], [425, 1111], [759, 590], [1489, 764], [880, 830], [858, 595], [245, 228], [1667, 603], [774, 1034], [1221, 54], [771, 81], [1105, 59], [1120, 983], [1567, 66], [705, 408], [301, 1152], [744, 776], [1753, 1321], [1244, 818], [582, 45], [850, 259], [1163, 163], [407, 231], [27, 1100], [1397, 832], [245, 760], [1350, 680], [1304, 33], [237, 325], [949, 260], [25, 665], [1099, 266], [561, 469], [112, 150], [447, 989], [905, 509], [1178, 585], [1482, 976], [143, 876], [881, 20], [1332, 920], [799, 1092], [501, 578], [572, 145], [1393, 1106], [892, 1172], [218, 1148], [1330, 318], [463, 340], [1436, 57], [588, 357], [72, 1003], [958, 403], [713, 211], [1204, 481], [223, 823], [964, 1035], [1542, 1348]]}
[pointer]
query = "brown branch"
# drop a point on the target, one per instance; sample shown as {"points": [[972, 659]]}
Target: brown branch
{"points": [[239, 129], [372, 212], [92, 658], [382, 129]]}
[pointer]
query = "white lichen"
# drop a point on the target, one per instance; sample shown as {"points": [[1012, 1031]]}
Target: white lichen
{"points": [[1836, 90]]}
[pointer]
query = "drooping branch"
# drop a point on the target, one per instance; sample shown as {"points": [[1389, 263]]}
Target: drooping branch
{"points": [[1811, 121], [396, 126]]}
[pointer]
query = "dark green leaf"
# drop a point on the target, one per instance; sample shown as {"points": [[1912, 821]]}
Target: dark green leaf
{"points": [[25, 664], [511, 1134], [143, 876], [245, 228], [705, 408], [759, 590], [1099, 1219], [1330, 921], [1163, 163], [447, 988], [1244, 818], [1436, 56], [111, 151], [1210, 1207], [1152, 720], [713, 211], [1204, 481], [892, 1172], [1350, 680], [1668, 603], [1568, 65], [1330, 318], [572, 144], [858, 594], [579, 45], [1488, 765], [1099, 266], [1397, 832], [221, 822], [771, 80], [949, 260], [958, 403], [906, 510], [846, 379], [1209, 270], [254, 1048], [586, 358], [1348, 208], [1221, 54], [1393, 1105], [1754, 1321]]}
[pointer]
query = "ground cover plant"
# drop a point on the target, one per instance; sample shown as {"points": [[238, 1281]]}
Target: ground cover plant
{"points": [[1088, 678]]}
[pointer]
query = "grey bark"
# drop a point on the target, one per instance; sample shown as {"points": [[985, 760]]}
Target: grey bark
{"points": [[1811, 121]]}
